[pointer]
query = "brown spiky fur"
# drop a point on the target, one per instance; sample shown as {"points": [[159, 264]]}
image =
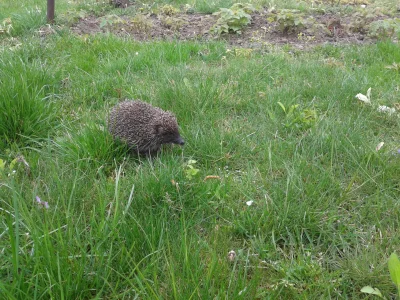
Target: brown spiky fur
{"points": [[143, 127]]}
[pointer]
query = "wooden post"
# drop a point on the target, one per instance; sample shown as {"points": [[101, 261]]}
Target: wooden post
{"points": [[50, 11]]}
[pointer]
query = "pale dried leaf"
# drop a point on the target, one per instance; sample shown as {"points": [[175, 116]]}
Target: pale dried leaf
{"points": [[211, 177], [363, 98], [386, 109], [369, 94], [379, 146]]}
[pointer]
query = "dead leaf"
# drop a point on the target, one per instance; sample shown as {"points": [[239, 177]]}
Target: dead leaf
{"points": [[379, 146], [386, 109], [212, 177]]}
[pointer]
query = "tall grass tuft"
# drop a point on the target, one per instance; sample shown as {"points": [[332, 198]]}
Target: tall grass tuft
{"points": [[92, 145], [27, 111]]}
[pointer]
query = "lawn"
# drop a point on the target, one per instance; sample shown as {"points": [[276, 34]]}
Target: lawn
{"points": [[280, 165]]}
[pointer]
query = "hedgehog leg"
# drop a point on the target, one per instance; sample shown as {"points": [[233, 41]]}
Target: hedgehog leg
{"points": [[153, 154], [153, 151], [134, 150]]}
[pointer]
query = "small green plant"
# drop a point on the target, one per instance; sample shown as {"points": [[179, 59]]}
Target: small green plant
{"points": [[10, 167], [243, 52], [187, 8], [146, 8], [382, 29], [168, 10], [141, 23], [360, 21], [232, 19], [110, 21], [119, 3], [190, 170], [306, 38], [290, 21], [372, 291], [289, 111], [298, 118], [70, 17], [394, 270], [173, 22]]}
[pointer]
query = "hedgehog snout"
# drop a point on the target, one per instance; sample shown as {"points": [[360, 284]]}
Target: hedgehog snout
{"points": [[180, 141]]}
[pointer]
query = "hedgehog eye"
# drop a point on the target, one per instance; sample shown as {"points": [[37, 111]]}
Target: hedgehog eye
{"points": [[168, 136]]}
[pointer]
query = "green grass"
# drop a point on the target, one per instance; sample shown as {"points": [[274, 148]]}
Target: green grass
{"points": [[26, 110], [325, 208]]}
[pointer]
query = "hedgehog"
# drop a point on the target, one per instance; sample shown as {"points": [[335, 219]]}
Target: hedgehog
{"points": [[143, 127]]}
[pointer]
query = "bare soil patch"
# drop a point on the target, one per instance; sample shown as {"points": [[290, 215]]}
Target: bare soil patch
{"points": [[325, 28]]}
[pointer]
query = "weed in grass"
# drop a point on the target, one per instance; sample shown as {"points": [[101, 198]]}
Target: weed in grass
{"points": [[298, 118], [383, 29], [13, 166], [289, 21], [168, 10], [394, 269], [70, 17], [110, 21], [173, 23], [141, 22], [360, 21], [190, 170], [232, 19]]}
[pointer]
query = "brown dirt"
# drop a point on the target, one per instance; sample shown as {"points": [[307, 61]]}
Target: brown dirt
{"points": [[322, 29]]}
